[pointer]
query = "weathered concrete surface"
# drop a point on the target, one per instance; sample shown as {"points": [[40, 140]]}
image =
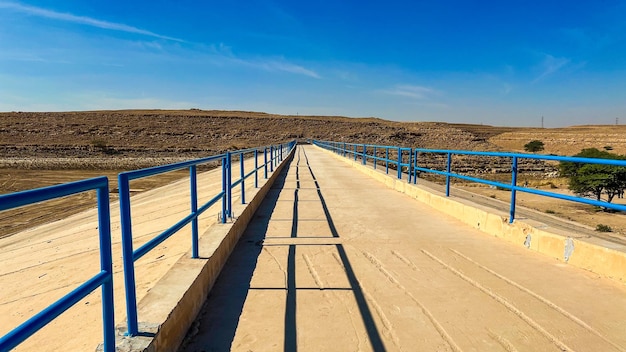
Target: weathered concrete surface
{"points": [[334, 261], [594, 254]]}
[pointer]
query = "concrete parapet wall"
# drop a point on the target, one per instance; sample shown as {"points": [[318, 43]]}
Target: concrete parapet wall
{"points": [[594, 254], [168, 310]]}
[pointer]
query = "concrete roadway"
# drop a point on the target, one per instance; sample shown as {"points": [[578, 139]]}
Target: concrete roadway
{"points": [[335, 261]]}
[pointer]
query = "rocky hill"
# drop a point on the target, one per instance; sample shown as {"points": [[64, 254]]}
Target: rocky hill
{"points": [[129, 139], [108, 138]]}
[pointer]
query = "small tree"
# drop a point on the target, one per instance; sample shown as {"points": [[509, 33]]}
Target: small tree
{"points": [[533, 146], [595, 179]]}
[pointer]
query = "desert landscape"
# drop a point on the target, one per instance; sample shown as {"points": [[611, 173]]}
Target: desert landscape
{"points": [[41, 149]]}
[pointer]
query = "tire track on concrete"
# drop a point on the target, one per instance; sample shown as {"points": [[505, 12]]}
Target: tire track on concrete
{"points": [[405, 260], [383, 317], [438, 327], [313, 272], [542, 299], [560, 344], [354, 328], [506, 344]]}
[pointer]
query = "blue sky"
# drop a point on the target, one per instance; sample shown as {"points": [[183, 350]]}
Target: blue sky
{"points": [[493, 62]]}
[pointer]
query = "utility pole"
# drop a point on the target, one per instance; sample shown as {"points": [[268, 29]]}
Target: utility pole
{"points": [[541, 121], [617, 121]]}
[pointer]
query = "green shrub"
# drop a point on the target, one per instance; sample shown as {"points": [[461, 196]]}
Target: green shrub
{"points": [[533, 146], [603, 228]]}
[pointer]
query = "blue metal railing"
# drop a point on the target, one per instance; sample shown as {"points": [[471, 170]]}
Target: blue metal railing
{"points": [[411, 162], [272, 156], [103, 279], [130, 255], [402, 160]]}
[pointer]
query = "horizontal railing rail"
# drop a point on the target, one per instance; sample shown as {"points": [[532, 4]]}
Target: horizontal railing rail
{"points": [[412, 163], [272, 156], [103, 279]]}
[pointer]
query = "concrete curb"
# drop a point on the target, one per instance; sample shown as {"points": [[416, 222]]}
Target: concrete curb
{"points": [[593, 254], [168, 310]]}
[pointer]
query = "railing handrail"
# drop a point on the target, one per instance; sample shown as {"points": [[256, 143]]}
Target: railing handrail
{"points": [[130, 255], [413, 168], [575, 159], [155, 170], [103, 279]]}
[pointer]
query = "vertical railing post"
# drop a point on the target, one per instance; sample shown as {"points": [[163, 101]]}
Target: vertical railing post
{"points": [[513, 190], [344, 149], [224, 189], [229, 187], [387, 160], [256, 168], [409, 169], [271, 158], [355, 152], [265, 162], [243, 180], [127, 255], [364, 155], [415, 167], [375, 158], [448, 169], [106, 265], [193, 189], [399, 163]]}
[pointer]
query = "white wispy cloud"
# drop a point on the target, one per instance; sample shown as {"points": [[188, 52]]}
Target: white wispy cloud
{"points": [[280, 65], [223, 54], [412, 91], [88, 21], [219, 54], [550, 65]]}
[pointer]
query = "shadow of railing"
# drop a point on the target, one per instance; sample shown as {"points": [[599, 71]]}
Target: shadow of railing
{"points": [[228, 296], [359, 296], [219, 318]]}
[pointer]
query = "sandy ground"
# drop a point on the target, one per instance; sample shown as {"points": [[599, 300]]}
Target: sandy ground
{"points": [[44, 263], [334, 261], [581, 213]]}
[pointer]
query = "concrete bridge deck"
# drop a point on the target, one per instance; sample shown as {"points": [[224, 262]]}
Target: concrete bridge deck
{"points": [[335, 261]]}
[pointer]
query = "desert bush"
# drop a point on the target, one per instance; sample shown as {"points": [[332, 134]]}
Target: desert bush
{"points": [[533, 146], [100, 144], [103, 146], [603, 228]]}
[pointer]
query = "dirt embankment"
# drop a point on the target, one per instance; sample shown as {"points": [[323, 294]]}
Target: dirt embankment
{"points": [[565, 141], [123, 139]]}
